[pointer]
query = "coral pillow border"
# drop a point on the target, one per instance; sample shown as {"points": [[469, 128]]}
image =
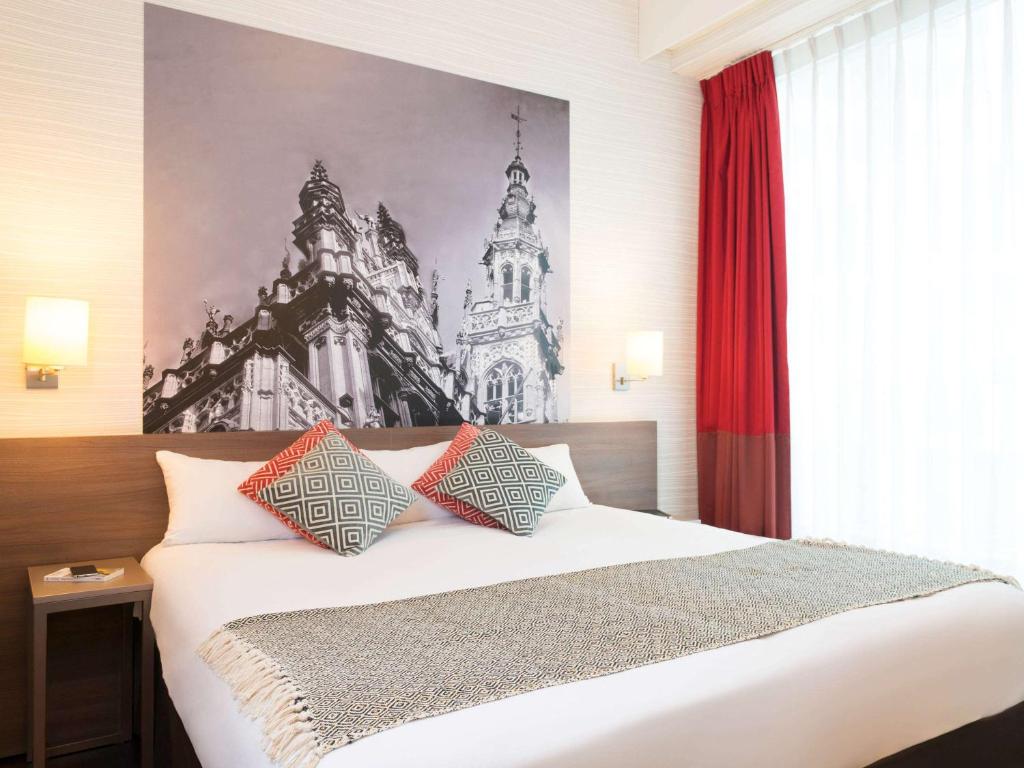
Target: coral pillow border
{"points": [[427, 482], [339, 496], [283, 462]]}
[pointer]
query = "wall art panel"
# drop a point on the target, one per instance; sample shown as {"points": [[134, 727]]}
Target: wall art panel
{"points": [[331, 234]]}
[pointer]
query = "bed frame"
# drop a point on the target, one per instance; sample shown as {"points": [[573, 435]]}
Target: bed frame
{"points": [[79, 498]]}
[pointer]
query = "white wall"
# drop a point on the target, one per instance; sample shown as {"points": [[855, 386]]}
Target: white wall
{"points": [[71, 95]]}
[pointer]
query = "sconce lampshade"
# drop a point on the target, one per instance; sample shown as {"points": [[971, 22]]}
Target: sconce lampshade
{"points": [[644, 351], [56, 332]]}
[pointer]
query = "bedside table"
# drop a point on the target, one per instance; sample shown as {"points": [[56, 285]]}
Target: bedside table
{"points": [[655, 512], [677, 518], [135, 588]]}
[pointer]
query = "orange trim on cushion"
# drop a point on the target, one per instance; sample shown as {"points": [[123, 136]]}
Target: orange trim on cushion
{"points": [[284, 461], [427, 482]]}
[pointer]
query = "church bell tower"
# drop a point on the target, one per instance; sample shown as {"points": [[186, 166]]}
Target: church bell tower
{"points": [[508, 349]]}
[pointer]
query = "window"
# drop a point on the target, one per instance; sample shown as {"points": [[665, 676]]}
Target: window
{"points": [[504, 403], [903, 154], [506, 282], [494, 386], [524, 284]]}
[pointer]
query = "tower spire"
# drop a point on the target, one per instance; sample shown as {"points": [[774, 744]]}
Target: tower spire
{"points": [[319, 173], [519, 137], [323, 220], [517, 204], [516, 171]]}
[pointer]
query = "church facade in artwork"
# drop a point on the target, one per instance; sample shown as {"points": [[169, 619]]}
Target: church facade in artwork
{"points": [[351, 335]]}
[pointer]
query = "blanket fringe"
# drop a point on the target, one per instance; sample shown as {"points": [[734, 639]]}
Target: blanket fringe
{"points": [[265, 693], [969, 566]]}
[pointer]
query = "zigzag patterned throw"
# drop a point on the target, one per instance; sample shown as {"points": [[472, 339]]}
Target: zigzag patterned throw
{"points": [[320, 679], [504, 481]]}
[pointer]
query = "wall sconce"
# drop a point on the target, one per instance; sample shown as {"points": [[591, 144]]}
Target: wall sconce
{"points": [[644, 353], [56, 335]]}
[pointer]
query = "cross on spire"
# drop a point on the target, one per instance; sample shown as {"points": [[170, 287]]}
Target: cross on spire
{"points": [[519, 124]]}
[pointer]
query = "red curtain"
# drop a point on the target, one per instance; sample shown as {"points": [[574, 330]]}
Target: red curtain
{"points": [[742, 370]]}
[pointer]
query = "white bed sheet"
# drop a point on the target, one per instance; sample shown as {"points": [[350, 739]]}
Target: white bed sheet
{"points": [[843, 692]]}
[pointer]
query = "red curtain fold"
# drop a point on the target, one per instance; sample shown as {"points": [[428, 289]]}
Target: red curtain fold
{"points": [[742, 369]]}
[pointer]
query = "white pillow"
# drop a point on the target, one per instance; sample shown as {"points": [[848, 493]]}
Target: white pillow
{"points": [[406, 466], [571, 494], [206, 505]]}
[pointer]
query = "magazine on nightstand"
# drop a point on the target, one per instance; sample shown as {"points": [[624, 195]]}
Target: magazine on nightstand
{"points": [[84, 574]]}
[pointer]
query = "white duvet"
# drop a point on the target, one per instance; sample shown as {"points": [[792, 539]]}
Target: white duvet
{"points": [[844, 691]]}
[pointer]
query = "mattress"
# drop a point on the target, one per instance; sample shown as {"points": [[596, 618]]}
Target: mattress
{"points": [[843, 691]]}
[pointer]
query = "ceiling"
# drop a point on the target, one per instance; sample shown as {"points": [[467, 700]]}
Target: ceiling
{"points": [[702, 37]]}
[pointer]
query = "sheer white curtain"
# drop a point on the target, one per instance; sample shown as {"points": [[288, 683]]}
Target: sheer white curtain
{"points": [[903, 149]]}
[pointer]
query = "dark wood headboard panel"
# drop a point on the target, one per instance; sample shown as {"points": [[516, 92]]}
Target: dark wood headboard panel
{"points": [[77, 498]]}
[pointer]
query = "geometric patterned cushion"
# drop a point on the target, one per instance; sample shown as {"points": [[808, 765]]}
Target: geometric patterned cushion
{"points": [[280, 464], [505, 482], [427, 482], [338, 495]]}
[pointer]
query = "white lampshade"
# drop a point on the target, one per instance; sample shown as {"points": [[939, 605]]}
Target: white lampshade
{"points": [[644, 351], [56, 332]]}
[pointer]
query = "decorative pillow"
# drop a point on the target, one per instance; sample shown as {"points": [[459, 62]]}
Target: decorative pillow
{"points": [[570, 495], [405, 466], [504, 482], [280, 464], [429, 480], [205, 505], [338, 495]]}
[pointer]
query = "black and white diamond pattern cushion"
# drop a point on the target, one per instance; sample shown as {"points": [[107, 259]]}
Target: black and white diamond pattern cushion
{"points": [[339, 496], [504, 482]]}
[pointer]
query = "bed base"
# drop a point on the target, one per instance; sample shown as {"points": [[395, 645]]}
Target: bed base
{"points": [[993, 742]]}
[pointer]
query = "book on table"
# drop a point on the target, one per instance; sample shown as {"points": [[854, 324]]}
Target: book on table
{"points": [[84, 574]]}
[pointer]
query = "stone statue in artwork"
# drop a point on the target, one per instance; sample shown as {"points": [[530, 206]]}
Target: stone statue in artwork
{"points": [[187, 349], [211, 317], [147, 369], [435, 278]]}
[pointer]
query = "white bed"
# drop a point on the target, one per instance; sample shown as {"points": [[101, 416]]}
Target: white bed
{"points": [[845, 691]]}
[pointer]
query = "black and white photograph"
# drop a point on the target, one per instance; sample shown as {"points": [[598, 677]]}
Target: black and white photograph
{"points": [[335, 235]]}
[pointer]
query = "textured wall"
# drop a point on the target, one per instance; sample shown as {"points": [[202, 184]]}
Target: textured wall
{"points": [[71, 80]]}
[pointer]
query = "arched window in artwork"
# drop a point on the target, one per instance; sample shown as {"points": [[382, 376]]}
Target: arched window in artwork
{"points": [[524, 285], [505, 393], [494, 386], [506, 282]]}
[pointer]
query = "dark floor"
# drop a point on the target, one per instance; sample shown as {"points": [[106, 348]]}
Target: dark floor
{"points": [[118, 756]]}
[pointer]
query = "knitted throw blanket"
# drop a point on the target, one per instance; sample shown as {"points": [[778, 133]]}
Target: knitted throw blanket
{"points": [[319, 679]]}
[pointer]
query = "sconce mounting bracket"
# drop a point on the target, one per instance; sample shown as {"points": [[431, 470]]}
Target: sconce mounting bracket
{"points": [[41, 379]]}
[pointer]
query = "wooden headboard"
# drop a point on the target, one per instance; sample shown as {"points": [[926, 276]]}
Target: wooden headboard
{"points": [[78, 498]]}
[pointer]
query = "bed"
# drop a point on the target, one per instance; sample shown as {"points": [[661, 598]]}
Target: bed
{"points": [[844, 691], [919, 682]]}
